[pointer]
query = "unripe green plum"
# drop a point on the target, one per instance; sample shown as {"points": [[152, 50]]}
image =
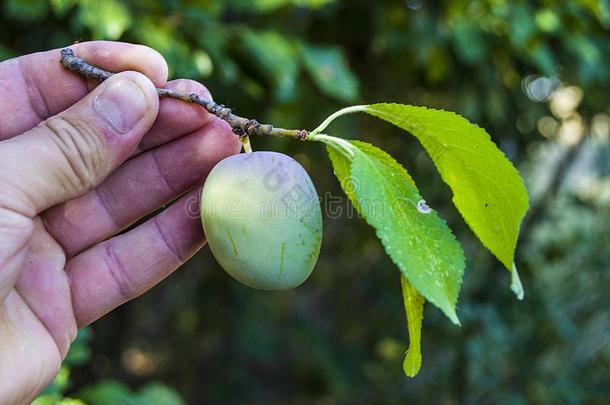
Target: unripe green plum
{"points": [[262, 219]]}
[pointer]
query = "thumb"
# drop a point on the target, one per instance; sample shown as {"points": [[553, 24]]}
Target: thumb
{"points": [[70, 153]]}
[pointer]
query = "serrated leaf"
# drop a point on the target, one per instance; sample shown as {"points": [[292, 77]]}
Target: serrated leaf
{"points": [[487, 189], [419, 242], [414, 308]]}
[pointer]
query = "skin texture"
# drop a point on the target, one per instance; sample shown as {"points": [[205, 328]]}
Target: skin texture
{"points": [[262, 219], [79, 163]]}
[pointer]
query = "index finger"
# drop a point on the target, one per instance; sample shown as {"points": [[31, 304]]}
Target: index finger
{"points": [[35, 87]]}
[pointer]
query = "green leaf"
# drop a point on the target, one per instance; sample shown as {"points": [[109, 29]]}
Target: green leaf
{"points": [[158, 394], [276, 58], [26, 10], [107, 392], [487, 189], [116, 392], [330, 71], [419, 242], [50, 399], [414, 307], [182, 61], [106, 19], [61, 7], [265, 6], [60, 383], [79, 352]]}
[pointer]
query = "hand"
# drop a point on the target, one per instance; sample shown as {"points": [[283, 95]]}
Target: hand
{"points": [[79, 164]]}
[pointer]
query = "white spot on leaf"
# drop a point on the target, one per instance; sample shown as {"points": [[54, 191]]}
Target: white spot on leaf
{"points": [[423, 207]]}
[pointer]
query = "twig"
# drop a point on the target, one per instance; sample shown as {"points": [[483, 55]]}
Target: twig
{"points": [[241, 126]]}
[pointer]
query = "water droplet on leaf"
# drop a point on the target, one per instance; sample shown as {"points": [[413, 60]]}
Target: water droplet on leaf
{"points": [[423, 207]]}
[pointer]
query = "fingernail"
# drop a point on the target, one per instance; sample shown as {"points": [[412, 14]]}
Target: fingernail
{"points": [[122, 104]]}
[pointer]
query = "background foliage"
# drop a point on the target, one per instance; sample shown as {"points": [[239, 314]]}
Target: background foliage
{"points": [[533, 74]]}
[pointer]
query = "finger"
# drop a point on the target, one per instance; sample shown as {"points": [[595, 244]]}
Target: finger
{"points": [[176, 117], [124, 267], [139, 187], [35, 87], [69, 153]]}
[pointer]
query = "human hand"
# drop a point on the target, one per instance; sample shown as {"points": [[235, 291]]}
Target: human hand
{"points": [[78, 165]]}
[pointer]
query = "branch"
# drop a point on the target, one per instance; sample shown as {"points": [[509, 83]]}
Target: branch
{"points": [[241, 126]]}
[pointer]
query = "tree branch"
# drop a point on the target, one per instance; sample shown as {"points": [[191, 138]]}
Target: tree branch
{"points": [[241, 126]]}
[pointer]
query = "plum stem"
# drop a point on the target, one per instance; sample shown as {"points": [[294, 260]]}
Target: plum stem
{"points": [[337, 114], [246, 144], [243, 127]]}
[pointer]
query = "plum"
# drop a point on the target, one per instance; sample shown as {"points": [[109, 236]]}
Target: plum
{"points": [[262, 219]]}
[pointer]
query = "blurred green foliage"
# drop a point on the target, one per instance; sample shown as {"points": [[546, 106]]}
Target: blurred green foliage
{"points": [[516, 68]]}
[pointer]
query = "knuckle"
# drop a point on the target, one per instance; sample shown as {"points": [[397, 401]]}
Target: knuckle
{"points": [[169, 242], [119, 273], [15, 225], [16, 230], [80, 145]]}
